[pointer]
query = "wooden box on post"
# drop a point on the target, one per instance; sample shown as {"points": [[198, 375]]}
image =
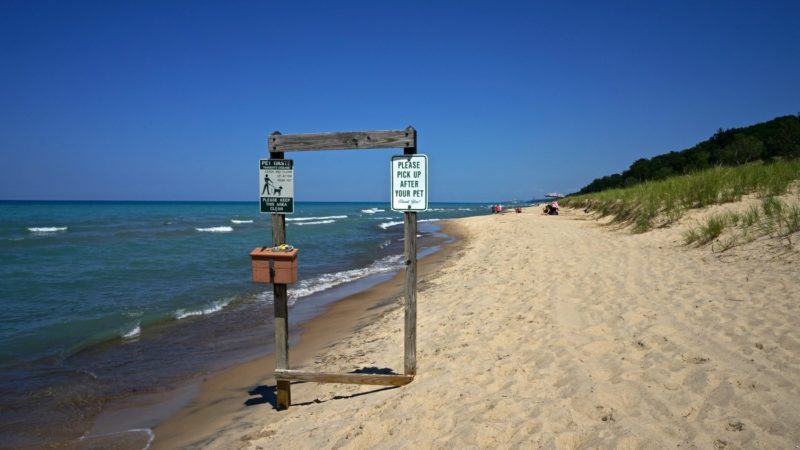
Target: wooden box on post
{"points": [[284, 265]]}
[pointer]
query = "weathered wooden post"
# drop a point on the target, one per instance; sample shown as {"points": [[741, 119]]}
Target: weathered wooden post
{"points": [[281, 306], [410, 253]]}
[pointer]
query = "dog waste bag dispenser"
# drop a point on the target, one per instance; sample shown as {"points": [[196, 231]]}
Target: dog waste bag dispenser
{"points": [[271, 265]]}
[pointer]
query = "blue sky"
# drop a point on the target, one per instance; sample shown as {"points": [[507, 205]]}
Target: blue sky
{"points": [[173, 100]]}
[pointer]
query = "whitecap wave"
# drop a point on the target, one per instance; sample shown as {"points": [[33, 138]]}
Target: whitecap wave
{"points": [[329, 280], [132, 332], [372, 210], [44, 230], [318, 222], [304, 219], [210, 309], [215, 229], [241, 221], [395, 223], [386, 225]]}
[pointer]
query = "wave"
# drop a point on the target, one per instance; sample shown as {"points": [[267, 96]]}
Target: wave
{"points": [[372, 210], [133, 332], [210, 309], [150, 435], [215, 229], [386, 225], [241, 221], [44, 230], [303, 219], [329, 280], [320, 222], [393, 223], [304, 288]]}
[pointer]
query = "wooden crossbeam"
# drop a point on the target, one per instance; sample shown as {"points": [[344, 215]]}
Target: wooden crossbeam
{"points": [[344, 378], [353, 140]]}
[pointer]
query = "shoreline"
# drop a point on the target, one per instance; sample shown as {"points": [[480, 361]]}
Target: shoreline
{"points": [[540, 331], [204, 403]]}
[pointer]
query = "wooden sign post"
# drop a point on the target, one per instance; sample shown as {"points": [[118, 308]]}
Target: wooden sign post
{"points": [[357, 140]]}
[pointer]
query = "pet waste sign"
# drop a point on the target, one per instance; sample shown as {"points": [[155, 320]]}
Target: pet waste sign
{"points": [[410, 183], [276, 184]]}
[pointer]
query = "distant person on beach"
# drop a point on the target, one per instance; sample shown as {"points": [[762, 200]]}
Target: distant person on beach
{"points": [[551, 209]]}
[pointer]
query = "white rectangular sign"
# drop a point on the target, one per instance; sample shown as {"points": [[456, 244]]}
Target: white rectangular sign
{"points": [[410, 183], [276, 184]]}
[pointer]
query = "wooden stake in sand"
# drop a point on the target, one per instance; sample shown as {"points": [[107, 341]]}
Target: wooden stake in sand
{"points": [[278, 144]]}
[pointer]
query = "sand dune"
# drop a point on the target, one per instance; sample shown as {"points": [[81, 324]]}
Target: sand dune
{"points": [[556, 332]]}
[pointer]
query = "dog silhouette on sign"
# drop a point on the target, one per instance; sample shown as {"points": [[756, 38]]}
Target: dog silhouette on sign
{"points": [[277, 190]]}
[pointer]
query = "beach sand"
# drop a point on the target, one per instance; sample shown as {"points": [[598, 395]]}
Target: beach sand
{"points": [[541, 332]]}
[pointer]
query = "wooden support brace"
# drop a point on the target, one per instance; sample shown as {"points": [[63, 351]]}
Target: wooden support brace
{"points": [[344, 378]]}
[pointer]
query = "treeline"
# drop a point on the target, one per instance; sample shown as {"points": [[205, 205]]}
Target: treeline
{"points": [[776, 139]]}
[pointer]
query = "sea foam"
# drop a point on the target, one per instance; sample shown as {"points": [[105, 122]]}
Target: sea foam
{"points": [[43, 230], [326, 281], [150, 435], [386, 225], [395, 223], [241, 221], [317, 222], [320, 283], [133, 332], [210, 309], [215, 229], [304, 219]]}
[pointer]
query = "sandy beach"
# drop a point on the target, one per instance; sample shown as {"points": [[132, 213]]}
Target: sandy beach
{"points": [[540, 332]]}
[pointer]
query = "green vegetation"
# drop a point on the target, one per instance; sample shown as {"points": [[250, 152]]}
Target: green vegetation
{"points": [[777, 139], [774, 218], [660, 203]]}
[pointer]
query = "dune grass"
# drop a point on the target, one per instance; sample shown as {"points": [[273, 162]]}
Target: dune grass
{"points": [[774, 218], [659, 203]]}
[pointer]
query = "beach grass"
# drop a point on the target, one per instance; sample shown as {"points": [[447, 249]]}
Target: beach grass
{"points": [[660, 203], [774, 218]]}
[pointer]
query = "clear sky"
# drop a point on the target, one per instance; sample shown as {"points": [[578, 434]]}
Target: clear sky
{"points": [[173, 100]]}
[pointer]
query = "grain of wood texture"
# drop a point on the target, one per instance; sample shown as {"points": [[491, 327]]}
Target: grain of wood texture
{"points": [[410, 338], [281, 300], [343, 140], [344, 378], [281, 306]]}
